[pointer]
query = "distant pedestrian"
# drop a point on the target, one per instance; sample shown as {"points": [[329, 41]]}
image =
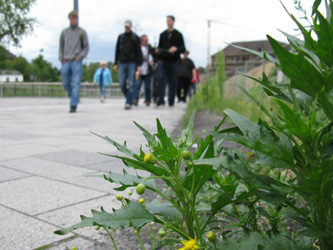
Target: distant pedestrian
{"points": [[171, 45], [129, 57], [185, 74], [194, 82], [73, 48], [146, 72], [103, 78]]}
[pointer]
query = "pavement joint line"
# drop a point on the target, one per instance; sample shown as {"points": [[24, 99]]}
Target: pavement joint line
{"points": [[61, 181], [16, 179], [72, 204], [76, 235]]}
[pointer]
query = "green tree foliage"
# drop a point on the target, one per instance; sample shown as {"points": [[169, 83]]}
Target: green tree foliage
{"points": [[5, 62], [23, 66], [14, 23], [43, 70]]}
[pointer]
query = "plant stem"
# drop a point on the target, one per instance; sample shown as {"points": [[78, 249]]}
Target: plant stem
{"points": [[139, 237], [152, 235], [110, 235]]}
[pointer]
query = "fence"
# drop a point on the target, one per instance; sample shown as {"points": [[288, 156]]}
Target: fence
{"points": [[54, 90]]}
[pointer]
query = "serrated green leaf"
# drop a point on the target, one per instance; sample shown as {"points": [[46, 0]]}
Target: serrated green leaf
{"points": [[324, 48], [126, 180], [149, 137], [326, 104], [164, 209], [186, 138], [121, 148], [132, 215], [263, 55], [139, 164], [302, 74], [294, 123], [166, 149], [204, 143], [255, 241]]}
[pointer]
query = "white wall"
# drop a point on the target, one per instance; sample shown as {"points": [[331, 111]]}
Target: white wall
{"points": [[11, 78]]}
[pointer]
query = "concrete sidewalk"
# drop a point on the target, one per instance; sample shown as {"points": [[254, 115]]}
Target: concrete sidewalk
{"points": [[45, 154]]}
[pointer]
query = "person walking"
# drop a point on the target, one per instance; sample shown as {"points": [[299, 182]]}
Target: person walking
{"points": [[129, 57], [73, 49], [146, 72], [185, 74], [171, 45], [103, 78]]}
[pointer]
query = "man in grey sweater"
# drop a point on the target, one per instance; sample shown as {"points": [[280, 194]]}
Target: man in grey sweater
{"points": [[73, 48]]}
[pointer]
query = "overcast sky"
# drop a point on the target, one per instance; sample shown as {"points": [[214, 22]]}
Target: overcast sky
{"points": [[234, 20]]}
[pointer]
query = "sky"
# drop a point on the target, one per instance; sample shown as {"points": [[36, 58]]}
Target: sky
{"points": [[232, 21]]}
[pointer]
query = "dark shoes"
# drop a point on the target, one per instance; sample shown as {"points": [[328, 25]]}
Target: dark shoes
{"points": [[72, 109], [135, 102]]}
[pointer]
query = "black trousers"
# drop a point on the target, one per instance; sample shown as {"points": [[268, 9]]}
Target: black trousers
{"points": [[182, 88]]}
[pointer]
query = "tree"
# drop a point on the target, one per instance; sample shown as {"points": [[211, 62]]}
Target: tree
{"points": [[22, 65], [202, 70], [5, 61], [14, 23], [43, 70]]}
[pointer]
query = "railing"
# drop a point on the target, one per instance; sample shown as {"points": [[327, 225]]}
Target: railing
{"points": [[46, 89]]}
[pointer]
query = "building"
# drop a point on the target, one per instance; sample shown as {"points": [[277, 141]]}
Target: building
{"points": [[240, 60], [10, 76]]}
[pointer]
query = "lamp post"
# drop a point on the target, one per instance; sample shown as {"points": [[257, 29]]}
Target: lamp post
{"points": [[76, 5]]}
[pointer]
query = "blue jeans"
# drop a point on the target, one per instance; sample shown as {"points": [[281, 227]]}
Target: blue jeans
{"points": [[71, 74], [102, 90], [167, 73], [147, 80], [127, 72]]}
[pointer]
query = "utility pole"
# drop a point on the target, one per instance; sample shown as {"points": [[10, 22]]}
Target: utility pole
{"points": [[76, 5], [208, 45]]}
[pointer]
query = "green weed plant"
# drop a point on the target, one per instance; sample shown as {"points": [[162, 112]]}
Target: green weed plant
{"points": [[278, 195]]}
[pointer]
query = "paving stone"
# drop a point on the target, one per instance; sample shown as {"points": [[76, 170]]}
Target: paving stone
{"points": [[7, 156], [18, 231], [7, 174], [35, 195], [20, 136], [28, 149], [73, 157], [69, 216]]}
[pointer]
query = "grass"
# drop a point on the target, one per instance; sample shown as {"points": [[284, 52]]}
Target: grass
{"points": [[217, 94]]}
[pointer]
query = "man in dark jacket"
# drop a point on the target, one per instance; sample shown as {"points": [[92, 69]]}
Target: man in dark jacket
{"points": [[170, 46], [185, 74], [129, 57]]}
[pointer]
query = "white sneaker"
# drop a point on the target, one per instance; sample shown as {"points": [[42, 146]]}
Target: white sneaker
{"points": [[127, 106]]}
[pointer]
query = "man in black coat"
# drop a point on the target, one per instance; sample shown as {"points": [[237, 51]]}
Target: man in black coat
{"points": [[129, 57], [171, 45]]}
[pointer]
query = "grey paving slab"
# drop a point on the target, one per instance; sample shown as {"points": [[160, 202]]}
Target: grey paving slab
{"points": [[74, 157], [71, 215], [18, 231], [28, 149], [9, 174], [34, 195], [7, 155], [54, 141], [20, 136]]}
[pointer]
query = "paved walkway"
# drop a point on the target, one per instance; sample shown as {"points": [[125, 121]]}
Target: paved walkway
{"points": [[45, 154]]}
